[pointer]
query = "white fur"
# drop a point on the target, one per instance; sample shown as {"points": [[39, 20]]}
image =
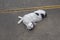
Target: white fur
{"points": [[31, 18]]}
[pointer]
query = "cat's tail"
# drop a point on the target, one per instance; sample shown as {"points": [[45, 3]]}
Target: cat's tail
{"points": [[21, 19]]}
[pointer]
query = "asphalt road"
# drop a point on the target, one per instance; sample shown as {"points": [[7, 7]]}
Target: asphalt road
{"points": [[12, 4], [48, 29]]}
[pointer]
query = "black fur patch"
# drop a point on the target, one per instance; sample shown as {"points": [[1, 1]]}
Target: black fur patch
{"points": [[42, 16], [37, 14]]}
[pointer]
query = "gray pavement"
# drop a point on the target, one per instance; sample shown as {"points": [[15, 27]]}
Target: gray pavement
{"points": [[11, 4], [48, 29]]}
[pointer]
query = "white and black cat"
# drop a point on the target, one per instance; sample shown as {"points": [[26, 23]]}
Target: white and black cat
{"points": [[30, 19]]}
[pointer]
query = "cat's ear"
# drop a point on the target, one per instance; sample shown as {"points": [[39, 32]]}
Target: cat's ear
{"points": [[45, 15]]}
